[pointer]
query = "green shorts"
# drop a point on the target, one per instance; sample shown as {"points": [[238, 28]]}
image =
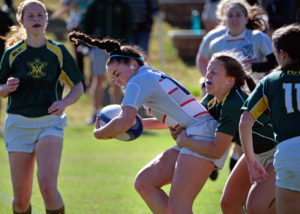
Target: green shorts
{"points": [[22, 133]]}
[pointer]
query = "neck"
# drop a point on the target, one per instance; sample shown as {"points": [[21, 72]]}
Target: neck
{"points": [[220, 97], [36, 41], [222, 94], [236, 33]]}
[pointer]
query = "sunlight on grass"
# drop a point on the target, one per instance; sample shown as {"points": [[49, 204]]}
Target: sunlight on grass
{"points": [[98, 176]]}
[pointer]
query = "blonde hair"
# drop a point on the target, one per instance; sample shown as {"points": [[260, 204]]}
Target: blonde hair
{"points": [[20, 32]]}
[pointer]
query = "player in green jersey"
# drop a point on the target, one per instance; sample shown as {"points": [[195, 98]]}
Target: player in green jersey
{"points": [[33, 72], [279, 93], [224, 81]]}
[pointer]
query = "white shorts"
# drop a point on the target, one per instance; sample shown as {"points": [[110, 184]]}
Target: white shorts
{"points": [[287, 164], [98, 61], [22, 133], [204, 131], [266, 157]]}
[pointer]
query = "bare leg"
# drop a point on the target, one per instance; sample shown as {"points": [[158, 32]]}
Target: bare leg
{"points": [[190, 176], [261, 197], [287, 201], [153, 176], [97, 90], [21, 168], [236, 189], [48, 154]]}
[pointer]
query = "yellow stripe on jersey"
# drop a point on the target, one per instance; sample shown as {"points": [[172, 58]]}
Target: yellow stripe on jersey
{"points": [[63, 78], [260, 107], [56, 50], [13, 55], [211, 103], [224, 99]]}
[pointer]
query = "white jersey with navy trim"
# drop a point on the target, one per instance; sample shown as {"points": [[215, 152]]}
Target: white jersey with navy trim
{"points": [[251, 46], [210, 36], [164, 98]]}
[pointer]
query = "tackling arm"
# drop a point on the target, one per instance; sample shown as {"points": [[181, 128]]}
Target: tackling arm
{"points": [[209, 149]]}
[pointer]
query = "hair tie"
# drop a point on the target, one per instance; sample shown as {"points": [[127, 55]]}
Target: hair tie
{"points": [[132, 57], [243, 9]]}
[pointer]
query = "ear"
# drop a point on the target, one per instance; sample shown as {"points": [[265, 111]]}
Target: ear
{"points": [[283, 54], [133, 64], [231, 81]]}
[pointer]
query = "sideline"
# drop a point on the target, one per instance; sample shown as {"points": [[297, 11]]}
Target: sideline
{"points": [[9, 199]]}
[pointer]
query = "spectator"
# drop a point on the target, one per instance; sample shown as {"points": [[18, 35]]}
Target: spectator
{"points": [[5, 23], [279, 12], [75, 9], [209, 17], [105, 18], [143, 12]]}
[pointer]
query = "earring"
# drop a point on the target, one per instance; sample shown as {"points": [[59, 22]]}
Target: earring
{"points": [[131, 67]]}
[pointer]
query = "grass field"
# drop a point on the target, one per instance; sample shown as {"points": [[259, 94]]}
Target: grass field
{"points": [[97, 176]]}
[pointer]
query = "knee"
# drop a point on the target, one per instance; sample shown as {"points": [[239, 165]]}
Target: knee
{"points": [[21, 202], [256, 207], [47, 189], [141, 186], [226, 204], [178, 207]]}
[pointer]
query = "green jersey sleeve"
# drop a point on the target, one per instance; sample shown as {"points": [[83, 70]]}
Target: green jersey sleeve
{"points": [[5, 70], [257, 102]]}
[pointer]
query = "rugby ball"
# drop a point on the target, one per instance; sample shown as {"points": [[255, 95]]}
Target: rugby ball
{"points": [[111, 111]]}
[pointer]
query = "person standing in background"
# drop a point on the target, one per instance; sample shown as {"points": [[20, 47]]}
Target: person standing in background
{"points": [[75, 9], [5, 23], [105, 18], [33, 73], [209, 17], [143, 12]]}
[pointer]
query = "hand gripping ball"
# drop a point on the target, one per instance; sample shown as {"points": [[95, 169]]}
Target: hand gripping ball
{"points": [[111, 111]]}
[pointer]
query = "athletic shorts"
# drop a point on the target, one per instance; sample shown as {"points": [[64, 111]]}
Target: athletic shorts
{"points": [[98, 61], [266, 157], [204, 131], [287, 164], [22, 133]]}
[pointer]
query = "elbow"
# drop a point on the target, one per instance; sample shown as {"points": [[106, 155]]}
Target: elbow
{"points": [[80, 89], [246, 121], [125, 127], [96, 135], [218, 154]]}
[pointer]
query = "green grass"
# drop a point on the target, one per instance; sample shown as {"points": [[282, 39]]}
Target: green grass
{"points": [[97, 176]]}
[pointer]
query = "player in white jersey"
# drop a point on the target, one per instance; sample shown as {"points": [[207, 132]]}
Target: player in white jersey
{"points": [[173, 106], [244, 37]]}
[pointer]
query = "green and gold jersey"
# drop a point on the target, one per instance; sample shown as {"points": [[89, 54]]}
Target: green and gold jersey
{"points": [[279, 92], [228, 114], [43, 72]]}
